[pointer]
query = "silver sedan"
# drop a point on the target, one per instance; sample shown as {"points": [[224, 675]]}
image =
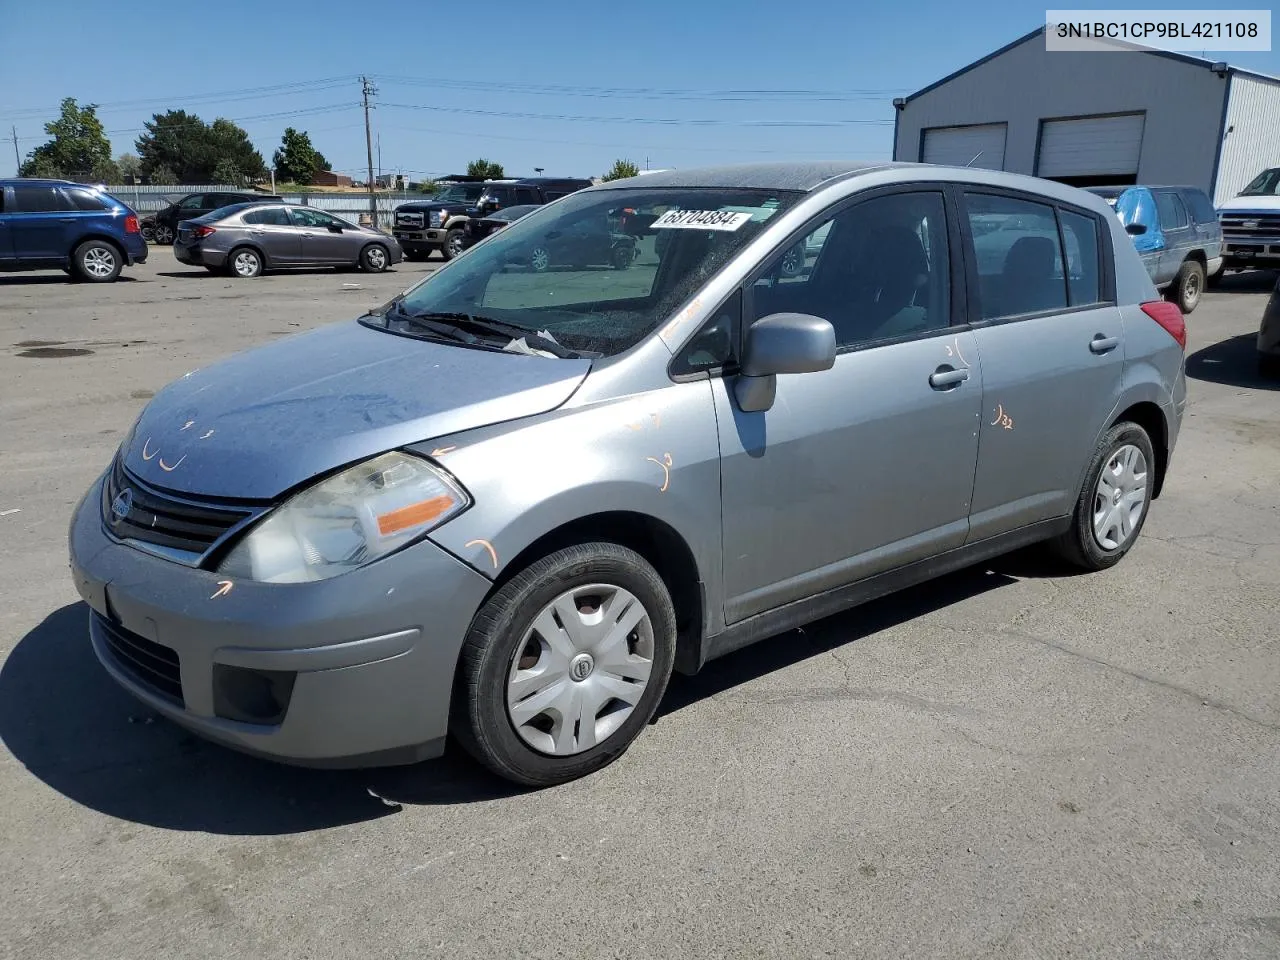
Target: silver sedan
{"points": [[247, 238]]}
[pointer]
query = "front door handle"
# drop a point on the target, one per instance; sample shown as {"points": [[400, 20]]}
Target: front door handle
{"points": [[1101, 344], [946, 377], [67, 219]]}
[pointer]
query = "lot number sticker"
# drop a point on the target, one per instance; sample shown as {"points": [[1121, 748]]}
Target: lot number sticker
{"points": [[701, 220]]}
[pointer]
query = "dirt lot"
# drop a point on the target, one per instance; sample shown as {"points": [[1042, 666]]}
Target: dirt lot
{"points": [[1005, 763]]}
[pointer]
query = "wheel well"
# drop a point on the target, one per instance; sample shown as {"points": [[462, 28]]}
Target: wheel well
{"points": [[104, 237], [1199, 257], [654, 540], [1150, 418]]}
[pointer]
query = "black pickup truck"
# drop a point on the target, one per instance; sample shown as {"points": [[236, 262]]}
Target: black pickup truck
{"points": [[439, 222]]}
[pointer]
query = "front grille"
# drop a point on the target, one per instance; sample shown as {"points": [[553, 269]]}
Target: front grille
{"points": [[132, 510], [152, 665], [409, 219], [1250, 226]]}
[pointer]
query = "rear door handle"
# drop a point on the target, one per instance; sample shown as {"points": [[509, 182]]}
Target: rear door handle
{"points": [[1101, 344], [945, 377], [67, 219]]}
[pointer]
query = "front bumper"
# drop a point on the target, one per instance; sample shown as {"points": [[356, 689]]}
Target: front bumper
{"points": [[369, 656]]}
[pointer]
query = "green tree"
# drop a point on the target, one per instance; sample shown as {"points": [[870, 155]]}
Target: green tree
{"points": [[226, 172], [162, 176], [79, 149], [297, 160], [128, 165], [488, 169], [621, 170], [192, 150]]}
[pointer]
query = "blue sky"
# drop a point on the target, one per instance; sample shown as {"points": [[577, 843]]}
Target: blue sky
{"points": [[776, 80]]}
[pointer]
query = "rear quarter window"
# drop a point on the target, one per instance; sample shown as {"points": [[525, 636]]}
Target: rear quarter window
{"points": [[1200, 207], [85, 200]]}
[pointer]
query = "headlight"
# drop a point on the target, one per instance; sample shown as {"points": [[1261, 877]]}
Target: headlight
{"points": [[348, 520], [435, 218]]}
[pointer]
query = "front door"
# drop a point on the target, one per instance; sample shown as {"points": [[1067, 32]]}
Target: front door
{"points": [[272, 230], [322, 238], [1052, 356], [41, 223], [7, 258], [869, 465]]}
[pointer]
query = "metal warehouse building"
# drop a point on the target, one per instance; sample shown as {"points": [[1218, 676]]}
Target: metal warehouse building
{"points": [[1092, 118]]}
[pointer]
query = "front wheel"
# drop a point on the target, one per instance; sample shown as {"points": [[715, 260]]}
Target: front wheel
{"points": [[622, 257], [374, 258], [1187, 286], [1112, 506], [455, 241], [97, 261], [565, 665], [540, 259]]}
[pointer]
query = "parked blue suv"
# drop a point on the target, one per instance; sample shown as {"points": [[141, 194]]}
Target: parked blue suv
{"points": [[55, 223]]}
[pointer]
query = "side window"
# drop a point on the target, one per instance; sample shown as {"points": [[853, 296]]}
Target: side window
{"points": [[877, 270], [1201, 209], [37, 198], [1018, 255], [712, 346], [305, 217], [1081, 236], [269, 216], [82, 199], [193, 202], [555, 194], [526, 195], [1172, 214]]}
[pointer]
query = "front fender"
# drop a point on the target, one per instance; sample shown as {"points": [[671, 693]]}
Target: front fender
{"points": [[655, 454]]}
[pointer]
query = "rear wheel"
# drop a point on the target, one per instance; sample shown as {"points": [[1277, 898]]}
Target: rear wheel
{"points": [[1188, 285], [374, 258], [97, 261], [565, 665], [1113, 502], [622, 256], [244, 263], [163, 233], [540, 259]]}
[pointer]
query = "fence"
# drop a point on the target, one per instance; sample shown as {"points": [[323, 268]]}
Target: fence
{"points": [[349, 206]]}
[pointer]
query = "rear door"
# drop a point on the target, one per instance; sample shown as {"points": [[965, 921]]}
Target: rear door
{"points": [[42, 224], [271, 229], [1179, 234], [1051, 347], [7, 258]]}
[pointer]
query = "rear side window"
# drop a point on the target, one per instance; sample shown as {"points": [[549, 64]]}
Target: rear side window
{"points": [[1201, 209], [1172, 213], [270, 216], [1081, 236], [526, 195], [38, 198], [83, 199], [1019, 256]]}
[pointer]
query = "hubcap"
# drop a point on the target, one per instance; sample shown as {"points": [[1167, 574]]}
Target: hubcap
{"points": [[164, 235], [99, 261], [377, 259], [1193, 288], [580, 669], [541, 259], [793, 261], [246, 264], [1120, 497], [455, 245]]}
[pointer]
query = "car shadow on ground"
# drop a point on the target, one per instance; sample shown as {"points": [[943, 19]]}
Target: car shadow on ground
{"points": [[1233, 362], [73, 728], [1250, 281], [42, 279], [201, 272]]}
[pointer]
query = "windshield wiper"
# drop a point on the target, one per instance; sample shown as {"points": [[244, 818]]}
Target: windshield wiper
{"points": [[466, 323]]}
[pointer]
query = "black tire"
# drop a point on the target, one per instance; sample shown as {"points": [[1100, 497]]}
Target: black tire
{"points": [[246, 272], [413, 256], [1269, 366], [455, 242], [163, 234], [374, 258], [97, 261], [480, 720], [540, 260], [622, 256], [1078, 546], [1188, 285]]}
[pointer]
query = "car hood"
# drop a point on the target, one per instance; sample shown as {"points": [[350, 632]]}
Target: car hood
{"points": [[1242, 204], [261, 422]]}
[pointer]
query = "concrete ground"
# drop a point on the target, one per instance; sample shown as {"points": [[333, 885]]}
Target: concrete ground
{"points": [[1005, 763]]}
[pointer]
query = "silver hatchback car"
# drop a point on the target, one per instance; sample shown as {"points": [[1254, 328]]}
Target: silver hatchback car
{"points": [[507, 504], [245, 239]]}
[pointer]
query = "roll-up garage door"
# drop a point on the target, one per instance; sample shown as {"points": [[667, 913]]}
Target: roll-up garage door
{"points": [[958, 146], [1091, 148]]}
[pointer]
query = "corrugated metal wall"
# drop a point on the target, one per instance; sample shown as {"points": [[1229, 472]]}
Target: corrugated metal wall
{"points": [[1252, 141]]}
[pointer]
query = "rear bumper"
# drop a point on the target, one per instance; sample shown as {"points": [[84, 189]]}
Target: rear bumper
{"points": [[197, 256]]}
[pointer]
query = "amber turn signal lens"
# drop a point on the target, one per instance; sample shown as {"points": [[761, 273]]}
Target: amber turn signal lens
{"points": [[413, 515]]}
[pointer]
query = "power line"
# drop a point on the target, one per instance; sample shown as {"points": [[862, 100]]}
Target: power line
{"points": [[664, 121], [646, 93]]}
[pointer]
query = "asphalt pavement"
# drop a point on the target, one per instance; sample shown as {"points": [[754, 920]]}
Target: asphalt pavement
{"points": [[1009, 762]]}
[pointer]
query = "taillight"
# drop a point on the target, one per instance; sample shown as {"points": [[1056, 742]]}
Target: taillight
{"points": [[131, 224], [1169, 316], [202, 231]]}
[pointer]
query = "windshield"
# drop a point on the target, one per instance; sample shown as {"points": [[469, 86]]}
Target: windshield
{"points": [[1265, 184], [592, 280], [460, 193]]}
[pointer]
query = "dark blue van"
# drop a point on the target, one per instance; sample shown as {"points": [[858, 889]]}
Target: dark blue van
{"points": [[55, 223]]}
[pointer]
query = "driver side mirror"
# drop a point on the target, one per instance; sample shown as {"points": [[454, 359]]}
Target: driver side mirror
{"points": [[1135, 229], [782, 343]]}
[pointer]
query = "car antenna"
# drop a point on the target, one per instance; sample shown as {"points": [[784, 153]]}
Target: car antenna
{"points": [[975, 158]]}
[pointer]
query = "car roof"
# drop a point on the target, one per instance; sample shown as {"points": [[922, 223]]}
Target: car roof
{"points": [[804, 176]]}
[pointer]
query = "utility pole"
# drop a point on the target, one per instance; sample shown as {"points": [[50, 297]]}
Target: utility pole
{"points": [[367, 90], [17, 159]]}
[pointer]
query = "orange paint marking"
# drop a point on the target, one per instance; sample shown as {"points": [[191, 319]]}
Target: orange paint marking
{"points": [[146, 443], [493, 554], [665, 464], [168, 469], [441, 451], [224, 587]]}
